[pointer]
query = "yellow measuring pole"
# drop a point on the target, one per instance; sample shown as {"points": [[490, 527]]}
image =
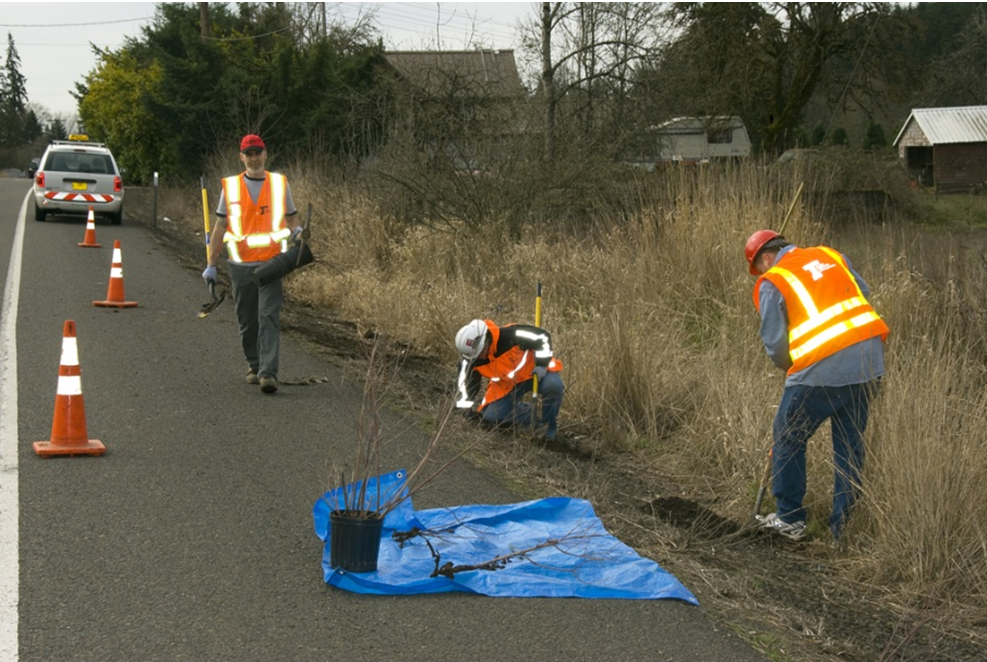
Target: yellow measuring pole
{"points": [[534, 385], [205, 213]]}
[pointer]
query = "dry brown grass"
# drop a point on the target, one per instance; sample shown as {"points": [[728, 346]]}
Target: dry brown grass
{"points": [[653, 317]]}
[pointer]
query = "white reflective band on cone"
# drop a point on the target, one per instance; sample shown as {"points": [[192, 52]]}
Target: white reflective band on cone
{"points": [[117, 255], [69, 385], [70, 351], [116, 272]]}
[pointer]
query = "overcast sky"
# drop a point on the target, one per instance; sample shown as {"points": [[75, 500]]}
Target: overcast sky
{"points": [[53, 39]]}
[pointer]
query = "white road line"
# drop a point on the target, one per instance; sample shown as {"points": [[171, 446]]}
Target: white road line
{"points": [[9, 501]]}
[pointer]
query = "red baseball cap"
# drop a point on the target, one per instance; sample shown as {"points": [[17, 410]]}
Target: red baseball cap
{"points": [[251, 141]]}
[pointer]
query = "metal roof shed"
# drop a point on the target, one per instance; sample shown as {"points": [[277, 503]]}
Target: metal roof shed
{"points": [[946, 147]]}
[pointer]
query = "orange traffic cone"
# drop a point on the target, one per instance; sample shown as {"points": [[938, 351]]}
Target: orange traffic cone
{"points": [[114, 293], [68, 427], [90, 239]]}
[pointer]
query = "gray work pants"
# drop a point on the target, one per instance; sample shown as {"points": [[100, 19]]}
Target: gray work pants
{"points": [[258, 312]]}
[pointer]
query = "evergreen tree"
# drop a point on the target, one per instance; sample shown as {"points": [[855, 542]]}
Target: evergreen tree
{"points": [[874, 138], [32, 126], [13, 98], [56, 130], [169, 100]]}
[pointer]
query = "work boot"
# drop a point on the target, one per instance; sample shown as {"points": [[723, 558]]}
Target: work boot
{"points": [[268, 384], [252, 377]]}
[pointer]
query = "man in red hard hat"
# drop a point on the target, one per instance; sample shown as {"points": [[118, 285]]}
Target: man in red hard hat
{"points": [[818, 325], [256, 220]]}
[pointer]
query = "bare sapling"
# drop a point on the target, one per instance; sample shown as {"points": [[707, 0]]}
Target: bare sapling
{"points": [[360, 494]]}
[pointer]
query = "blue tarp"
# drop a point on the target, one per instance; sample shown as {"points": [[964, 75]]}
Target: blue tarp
{"points": [[566, 551]]}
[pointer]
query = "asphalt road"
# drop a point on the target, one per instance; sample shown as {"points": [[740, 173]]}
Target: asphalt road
{"points": [[192, 537]]}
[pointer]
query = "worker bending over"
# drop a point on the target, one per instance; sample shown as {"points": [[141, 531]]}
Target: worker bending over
{"points": [[509, 357], [816, 324]]}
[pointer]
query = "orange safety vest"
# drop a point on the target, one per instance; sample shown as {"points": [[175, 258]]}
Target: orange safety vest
{"points": [[256, 231], [509, 369], [827, 311]]}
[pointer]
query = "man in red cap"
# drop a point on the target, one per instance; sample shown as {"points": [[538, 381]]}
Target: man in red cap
{"points": [[818, 325], [256, 219]]}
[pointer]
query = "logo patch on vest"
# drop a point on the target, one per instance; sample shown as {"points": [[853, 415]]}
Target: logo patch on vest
{"points": [[816, 268]]}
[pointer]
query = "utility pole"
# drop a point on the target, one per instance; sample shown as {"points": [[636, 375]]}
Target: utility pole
{"points": [[204, 19], [548, 78]]}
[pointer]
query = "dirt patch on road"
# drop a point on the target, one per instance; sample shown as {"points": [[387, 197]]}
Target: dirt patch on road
{"points": [[787, 599]]}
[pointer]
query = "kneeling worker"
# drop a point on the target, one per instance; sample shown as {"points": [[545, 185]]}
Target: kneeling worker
{"points": [[509, 357]]}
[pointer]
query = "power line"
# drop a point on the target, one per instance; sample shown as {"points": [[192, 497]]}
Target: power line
{"points": [[426, 13], [426, 19], [71, 25], [248, 37]]}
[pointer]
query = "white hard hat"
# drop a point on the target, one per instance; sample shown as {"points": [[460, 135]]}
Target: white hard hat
{"points": [[471, 339]]}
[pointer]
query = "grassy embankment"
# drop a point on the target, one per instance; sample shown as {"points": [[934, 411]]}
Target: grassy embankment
{"points": [[651, 312]]}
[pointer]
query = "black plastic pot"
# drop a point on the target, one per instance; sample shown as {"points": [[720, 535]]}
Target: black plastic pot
{"points": [[354, 540], [282, 264]]}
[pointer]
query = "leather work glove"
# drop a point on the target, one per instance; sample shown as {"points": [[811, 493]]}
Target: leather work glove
{"points": [[300, 233], [541, 372], [209, 274]]}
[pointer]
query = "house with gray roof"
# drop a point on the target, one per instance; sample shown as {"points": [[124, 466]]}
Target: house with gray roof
{"points": [[457, 103], [477, 89], [946, 148]]}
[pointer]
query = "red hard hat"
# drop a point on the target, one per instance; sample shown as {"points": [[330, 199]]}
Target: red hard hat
{"points": [[755, 244]]}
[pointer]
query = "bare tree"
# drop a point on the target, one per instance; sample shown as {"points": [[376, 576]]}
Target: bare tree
{"points": [[587, 52], [313, 21]]}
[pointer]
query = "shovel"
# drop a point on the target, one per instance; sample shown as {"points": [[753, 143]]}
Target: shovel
{"points": [[214, 299], [767, 469], [760, 490]]}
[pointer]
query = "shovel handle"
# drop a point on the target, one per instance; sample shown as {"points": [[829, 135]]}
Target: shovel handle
{"points": [[791, 208], [205, 212], [764, 486], [534, 383]]}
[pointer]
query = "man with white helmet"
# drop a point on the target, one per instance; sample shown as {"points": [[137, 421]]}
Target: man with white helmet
{"points": [[509, 357]]}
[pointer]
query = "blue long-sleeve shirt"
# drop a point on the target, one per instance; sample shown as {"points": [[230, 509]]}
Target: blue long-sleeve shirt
{"points": [[857, 364]]}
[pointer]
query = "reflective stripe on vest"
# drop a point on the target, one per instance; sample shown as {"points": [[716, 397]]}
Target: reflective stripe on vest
{"points": [[815, 334], [248, 237], [509, 369]]}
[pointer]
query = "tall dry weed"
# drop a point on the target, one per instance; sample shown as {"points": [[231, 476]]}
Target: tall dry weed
{"points": [[651, 312]]}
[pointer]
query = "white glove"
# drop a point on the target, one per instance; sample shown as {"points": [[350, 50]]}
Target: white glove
{"points": [[209, 274]]}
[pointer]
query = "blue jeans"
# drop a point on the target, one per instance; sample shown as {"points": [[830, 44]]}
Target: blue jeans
{"points": [[802, 410], [258, 313], [509, 410]]}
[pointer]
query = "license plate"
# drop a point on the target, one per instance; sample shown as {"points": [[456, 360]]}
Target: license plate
{"points": [[78, 186]]}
